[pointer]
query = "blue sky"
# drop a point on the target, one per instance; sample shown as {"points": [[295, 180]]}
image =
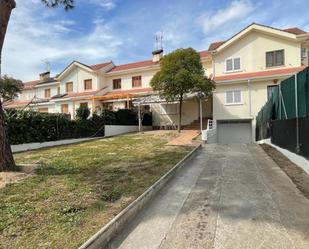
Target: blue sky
{"points": [[124, 30]]}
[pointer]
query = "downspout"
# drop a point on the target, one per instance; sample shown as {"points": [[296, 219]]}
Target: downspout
{"points": [[249, 91]]}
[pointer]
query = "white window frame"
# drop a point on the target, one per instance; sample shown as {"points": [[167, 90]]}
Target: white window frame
{"points": [[234, 103], [233, 70]]}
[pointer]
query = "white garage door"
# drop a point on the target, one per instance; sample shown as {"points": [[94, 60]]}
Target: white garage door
{"points": [[234, 132]]}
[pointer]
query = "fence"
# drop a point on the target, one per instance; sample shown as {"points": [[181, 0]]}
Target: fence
{"points": [[285, 117]]}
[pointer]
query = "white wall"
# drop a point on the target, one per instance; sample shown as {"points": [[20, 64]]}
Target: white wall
{"points": [[114, 130]]}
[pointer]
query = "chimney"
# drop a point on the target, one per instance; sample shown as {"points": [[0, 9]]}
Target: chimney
{"points": [[45, 76], [157, 55]]}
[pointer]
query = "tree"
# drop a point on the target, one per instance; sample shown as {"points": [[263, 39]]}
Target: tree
{"points": [[181, 72], [83, 113], [9, 88], [6, 7]]}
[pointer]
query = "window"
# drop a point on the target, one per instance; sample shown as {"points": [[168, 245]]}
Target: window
{"points": [[65, 108], [233, 97], [58, 90], [43, 110], [137, 81], [47, 93], [275, 58], [117, 84], [303, 52], [69, 87], [88, 85], [232, 64], [271, 90], [85, 104]]}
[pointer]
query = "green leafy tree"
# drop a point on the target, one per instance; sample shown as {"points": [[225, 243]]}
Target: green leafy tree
{"points": [[9, 88], [6, 7], [181, 73], [82, 113]]}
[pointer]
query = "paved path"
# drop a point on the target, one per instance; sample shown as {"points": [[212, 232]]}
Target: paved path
{"points": [[228, 197], [186, 138]]}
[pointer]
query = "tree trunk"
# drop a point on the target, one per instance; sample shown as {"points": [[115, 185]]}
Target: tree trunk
{"points": [[180, 113], [6, 157]]}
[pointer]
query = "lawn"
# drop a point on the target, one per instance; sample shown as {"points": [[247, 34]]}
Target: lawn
{"points": [[79, 188]]}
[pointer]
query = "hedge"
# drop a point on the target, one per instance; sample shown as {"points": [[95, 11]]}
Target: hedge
{"points": [[30, 126]]}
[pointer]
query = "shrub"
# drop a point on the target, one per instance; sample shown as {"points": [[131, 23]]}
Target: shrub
{"points": [[82, 113], [30, 126]]}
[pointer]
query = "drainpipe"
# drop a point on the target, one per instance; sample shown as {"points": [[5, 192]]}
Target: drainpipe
{"points": [[296, 112], [201, 114], [249, 90]]}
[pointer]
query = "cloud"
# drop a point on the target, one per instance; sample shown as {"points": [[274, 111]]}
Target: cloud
{"points": [[35, 35], [105, 4], [237, 10]]}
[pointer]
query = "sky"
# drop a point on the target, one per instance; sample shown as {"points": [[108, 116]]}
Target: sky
{"points": [[124, 31]]}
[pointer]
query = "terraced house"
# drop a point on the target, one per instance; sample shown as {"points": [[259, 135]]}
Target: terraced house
{"points": [[246, 68]]}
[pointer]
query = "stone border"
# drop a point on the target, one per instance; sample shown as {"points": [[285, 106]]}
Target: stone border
{"points": [[111, 229]]}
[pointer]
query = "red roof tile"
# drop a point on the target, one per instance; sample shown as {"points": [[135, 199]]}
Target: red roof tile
{"points": [[133, 65], [295, 31], [99, 66], [30, 84], [215, 45], [16, 103], [274, 72], [70, 95], [139, 90], [204, 53]]}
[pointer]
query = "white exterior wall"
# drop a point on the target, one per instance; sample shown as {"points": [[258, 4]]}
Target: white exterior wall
{"points": [[252, 50], [126, 79], [77, 76]]}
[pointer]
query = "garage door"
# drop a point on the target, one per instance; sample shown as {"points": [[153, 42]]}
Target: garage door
{"points": [[234, 132]]}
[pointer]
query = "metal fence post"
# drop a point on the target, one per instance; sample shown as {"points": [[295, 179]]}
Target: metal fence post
{"points": [[296, 110]]}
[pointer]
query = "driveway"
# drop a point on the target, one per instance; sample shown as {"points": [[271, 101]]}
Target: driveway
{"points": [[230, 196]]}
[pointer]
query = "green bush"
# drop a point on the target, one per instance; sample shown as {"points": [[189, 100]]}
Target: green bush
{"points": [[30, 126], [82, 113]]}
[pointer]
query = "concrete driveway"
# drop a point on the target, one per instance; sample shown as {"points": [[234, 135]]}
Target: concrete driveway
{"points": [[230, 196]]}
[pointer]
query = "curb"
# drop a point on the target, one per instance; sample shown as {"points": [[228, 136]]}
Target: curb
{"points": [[111, 229]]}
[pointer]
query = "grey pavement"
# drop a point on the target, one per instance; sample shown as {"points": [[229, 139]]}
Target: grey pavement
{"points": [[229, 196]]}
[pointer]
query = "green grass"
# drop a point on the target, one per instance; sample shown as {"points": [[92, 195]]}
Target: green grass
{"points": [[79, 188]]}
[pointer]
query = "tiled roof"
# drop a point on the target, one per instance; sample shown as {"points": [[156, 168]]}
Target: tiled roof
{"points": [[275, 72], [133, 65], [138, 90], [99, 66], [215, 45], [16, 103], [295, 31], [30, 84], [204, 53]]}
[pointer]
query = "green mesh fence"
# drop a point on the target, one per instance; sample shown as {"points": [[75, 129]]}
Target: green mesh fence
{"points": [[290, 100]]}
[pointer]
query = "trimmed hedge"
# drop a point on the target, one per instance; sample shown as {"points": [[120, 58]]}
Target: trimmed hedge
{"points": [[30, 127]]}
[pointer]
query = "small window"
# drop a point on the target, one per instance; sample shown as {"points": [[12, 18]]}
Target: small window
{"points": [[47, 93], [271, 90], [88, 85], [275, 58], [117, 84], [69, 87], [58, 90], [65, 108], [137, 81], [233, 64], [233, 97]]}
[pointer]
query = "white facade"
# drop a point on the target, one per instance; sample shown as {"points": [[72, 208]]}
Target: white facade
{"points": [[238, 66]]}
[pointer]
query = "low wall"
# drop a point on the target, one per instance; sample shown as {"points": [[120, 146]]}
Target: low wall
{"points": [[300, 161], [114, 130], [35, 146]]}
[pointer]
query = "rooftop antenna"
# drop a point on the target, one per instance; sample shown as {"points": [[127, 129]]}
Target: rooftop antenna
{"points": [[47, 65], [159, 41]]}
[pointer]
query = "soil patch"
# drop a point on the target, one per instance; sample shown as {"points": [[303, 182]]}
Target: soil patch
{"points": [[297, 174]]}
